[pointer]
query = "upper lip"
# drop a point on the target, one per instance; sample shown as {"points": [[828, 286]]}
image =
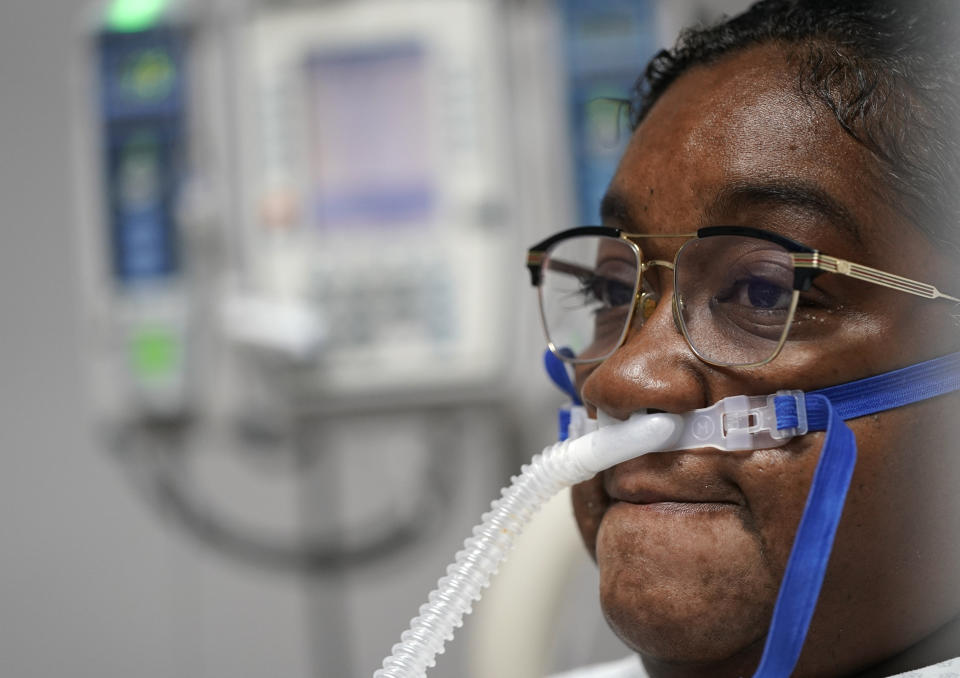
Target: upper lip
{"points": [[656, 496], [625, 482]]}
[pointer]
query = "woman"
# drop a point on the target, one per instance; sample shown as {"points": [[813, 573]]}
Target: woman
{"points": [[833, 125]]}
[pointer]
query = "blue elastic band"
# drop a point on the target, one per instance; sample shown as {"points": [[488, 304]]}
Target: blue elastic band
{"points": [[557, 370], [786, 409], [563, 423], [876, 394], [811, 547]]}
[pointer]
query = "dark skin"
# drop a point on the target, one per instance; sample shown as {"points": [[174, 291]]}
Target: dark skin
{"points": [[691, 545]]}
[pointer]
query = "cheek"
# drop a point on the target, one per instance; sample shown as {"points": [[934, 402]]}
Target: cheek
{"points": [[589, 504], [776, 483], [903, 505], [894, 564]]}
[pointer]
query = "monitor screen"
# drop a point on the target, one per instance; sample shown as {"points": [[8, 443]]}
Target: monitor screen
{"points": [[369, 127]]}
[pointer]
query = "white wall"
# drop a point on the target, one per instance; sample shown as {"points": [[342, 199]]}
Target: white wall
{"points": [[91, 583]]}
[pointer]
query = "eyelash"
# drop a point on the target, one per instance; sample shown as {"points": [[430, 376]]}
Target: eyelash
{"points": [[813, 300]]}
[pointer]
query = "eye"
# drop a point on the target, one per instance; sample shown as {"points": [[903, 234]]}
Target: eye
{"points": [[609, 292], [765, 288], [764, 294]]}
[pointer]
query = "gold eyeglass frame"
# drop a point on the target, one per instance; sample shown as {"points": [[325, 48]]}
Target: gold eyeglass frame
{"points": [[807, 263]]}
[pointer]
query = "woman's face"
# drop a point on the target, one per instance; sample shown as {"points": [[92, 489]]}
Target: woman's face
{"points": [[692, 545]]}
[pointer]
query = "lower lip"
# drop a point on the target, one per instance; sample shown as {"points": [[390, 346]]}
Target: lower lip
{"points": [[682, 507]]}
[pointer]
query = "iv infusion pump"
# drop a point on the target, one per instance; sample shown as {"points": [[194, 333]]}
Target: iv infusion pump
{"points": [[138, 122], [375, 182], [348, 158]]}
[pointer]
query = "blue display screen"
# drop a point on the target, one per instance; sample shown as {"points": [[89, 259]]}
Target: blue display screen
{"points": [[608, 44], [142, 108]]}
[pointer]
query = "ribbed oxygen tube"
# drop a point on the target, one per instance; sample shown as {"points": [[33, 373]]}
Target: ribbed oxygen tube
{"points": [[557, 467], [482, 553]]}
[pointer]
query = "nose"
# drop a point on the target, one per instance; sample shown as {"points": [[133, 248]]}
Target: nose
{"points": [[653, 369]]}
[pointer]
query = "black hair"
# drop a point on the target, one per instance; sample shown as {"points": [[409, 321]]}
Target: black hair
{"points": [[889, 70]]}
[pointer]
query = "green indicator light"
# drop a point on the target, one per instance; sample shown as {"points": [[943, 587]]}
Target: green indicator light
{"points": [[129, 16], [155, 353]]}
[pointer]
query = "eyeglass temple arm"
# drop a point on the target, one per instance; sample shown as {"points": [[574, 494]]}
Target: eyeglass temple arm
{"points": [[824, 262], [535, 266]]}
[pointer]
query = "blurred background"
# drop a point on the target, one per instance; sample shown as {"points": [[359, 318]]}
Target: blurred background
{"points": [[269, 347]]}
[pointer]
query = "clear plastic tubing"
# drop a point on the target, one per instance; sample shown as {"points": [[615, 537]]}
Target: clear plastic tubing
{"points": [[557, 467]]}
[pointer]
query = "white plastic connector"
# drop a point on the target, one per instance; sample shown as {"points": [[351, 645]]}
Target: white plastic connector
{"points": [[740, 423], [580, 423], [734, 424]]}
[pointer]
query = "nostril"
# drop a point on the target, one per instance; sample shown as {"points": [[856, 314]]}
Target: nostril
{"points": [[606, 419]]}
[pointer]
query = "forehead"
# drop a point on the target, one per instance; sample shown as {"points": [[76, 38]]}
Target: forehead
{"points": [[735, 142]]}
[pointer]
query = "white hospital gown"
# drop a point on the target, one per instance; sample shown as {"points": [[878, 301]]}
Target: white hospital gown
{"points": [[631, 667]]}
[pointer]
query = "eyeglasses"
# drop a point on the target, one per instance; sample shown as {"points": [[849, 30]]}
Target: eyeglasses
{"points": [[735, 294]]}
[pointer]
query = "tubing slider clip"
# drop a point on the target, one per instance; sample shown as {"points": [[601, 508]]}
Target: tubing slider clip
{"points": [[736, 423], [745, 422]]}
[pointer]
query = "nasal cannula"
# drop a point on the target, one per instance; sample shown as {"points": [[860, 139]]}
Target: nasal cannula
{"points": [[736, 423], [739, 422]]}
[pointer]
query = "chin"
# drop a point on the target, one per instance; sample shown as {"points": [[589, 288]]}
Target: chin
{"points": [[669, 641], [679, 596], [667, 629]]}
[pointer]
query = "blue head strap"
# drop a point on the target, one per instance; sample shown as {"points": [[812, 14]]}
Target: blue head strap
{"points": [[826, 410], [557, 371]]}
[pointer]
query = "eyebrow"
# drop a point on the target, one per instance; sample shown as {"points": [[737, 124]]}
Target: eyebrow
{"points": [[615, 208], [806, 196]]}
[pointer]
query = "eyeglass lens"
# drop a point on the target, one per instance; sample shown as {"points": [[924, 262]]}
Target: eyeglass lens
{"points": [[587, 293], [734, 296]]}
